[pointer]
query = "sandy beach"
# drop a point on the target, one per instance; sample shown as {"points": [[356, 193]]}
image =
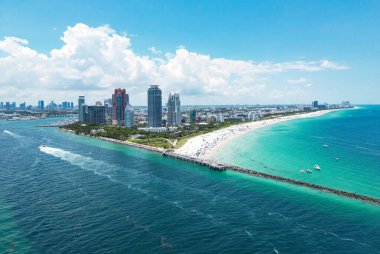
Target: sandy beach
{"points": [[203, 146]]}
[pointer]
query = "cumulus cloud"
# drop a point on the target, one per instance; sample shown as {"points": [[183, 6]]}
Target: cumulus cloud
{"points": [[94, 60]]}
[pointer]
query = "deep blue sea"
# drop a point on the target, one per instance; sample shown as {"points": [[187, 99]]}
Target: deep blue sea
{"points": [[81, 195]]}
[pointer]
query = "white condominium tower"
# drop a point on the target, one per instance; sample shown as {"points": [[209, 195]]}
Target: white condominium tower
{"points": [[174, 110]]}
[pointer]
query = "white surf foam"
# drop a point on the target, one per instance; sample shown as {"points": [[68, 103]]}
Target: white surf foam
{"points": [[87, 163]]}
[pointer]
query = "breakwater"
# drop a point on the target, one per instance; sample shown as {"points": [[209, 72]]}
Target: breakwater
{"points": [[223, 167]]}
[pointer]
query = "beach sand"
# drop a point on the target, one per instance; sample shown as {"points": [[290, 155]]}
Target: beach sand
{"points": [[203, 146]]}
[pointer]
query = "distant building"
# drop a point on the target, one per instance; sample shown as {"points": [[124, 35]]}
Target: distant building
{"points": [[1, 105], [154, 106], [346, 104], [174, 110], [120, 99], [41, 105], [98, 103], [314, 104], [108, 105], [23, 106], [7, 105], [193, 115], [129, 116], [93, 114], [81, 101]]}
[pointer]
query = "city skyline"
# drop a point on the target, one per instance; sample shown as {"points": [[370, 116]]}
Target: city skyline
{"points": [[220, 58]]}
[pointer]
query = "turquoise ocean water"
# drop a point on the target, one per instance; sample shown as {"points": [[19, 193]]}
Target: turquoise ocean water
{"points": [[80, 195], [351, 162]]}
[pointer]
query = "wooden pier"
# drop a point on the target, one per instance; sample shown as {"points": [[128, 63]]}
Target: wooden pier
{"points": [[223, 167]]}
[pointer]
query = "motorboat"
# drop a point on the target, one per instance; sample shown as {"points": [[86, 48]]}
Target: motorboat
{"points": [[317, 167], [337, 158], [326, 146], [302, 171], [309, 171]]}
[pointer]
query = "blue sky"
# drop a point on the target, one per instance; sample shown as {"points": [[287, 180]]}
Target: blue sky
{"points": [[343, 32]]}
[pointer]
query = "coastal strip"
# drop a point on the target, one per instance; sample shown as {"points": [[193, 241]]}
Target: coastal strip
{"points": [[205, 145], [224, 166]]}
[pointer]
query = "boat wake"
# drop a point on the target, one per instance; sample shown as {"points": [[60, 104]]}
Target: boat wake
{"points": [[87, 163], [11, 134]]}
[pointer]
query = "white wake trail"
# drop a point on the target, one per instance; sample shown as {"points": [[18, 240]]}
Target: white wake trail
{"points": [[11, 134], [87, 163]]}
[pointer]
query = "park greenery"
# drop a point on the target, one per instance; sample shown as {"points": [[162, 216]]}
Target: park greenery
{"points": [[167, 140]]}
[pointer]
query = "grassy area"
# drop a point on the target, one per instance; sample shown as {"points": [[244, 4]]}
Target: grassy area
{"points": [[156, 142]]}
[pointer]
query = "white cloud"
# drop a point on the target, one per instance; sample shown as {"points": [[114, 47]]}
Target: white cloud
{"points": [[94, 60], [154, 50]]}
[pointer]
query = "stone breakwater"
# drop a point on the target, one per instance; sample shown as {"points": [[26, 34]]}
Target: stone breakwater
{"points": [[223, 167]]}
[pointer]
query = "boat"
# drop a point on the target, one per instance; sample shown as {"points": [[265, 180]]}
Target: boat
{"points": [[309, 171], [327, 146], [302, 171], [337, 158], [317, 167]]}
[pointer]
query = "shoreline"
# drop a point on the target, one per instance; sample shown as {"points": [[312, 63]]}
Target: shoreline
{"points": [[204, 146]]}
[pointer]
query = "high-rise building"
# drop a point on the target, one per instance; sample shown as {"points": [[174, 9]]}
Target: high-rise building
{"points": [[154, 106], [41, 105], [81, 101], [108, 104], [1, 105], [7, 105], [314, 104], [23, 106], [129, 116], [120, 99], [174, 110], [193, 115], [93, 114]]}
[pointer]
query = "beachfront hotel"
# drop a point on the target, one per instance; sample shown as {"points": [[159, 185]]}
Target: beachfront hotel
{"points": [[120, 99], [154, 106], [174, 110]]}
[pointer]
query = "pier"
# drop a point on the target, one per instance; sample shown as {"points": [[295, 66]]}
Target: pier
{"points": [[209, 164], [223, 167]]}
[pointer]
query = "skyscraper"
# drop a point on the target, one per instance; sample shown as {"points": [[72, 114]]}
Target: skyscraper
{"points": [[154, 106], [314, 104], [174, 110], [108, 105], [81, 101], [23, 106], [93, 114], [120, 99], [129, 116], [41, 105], [193, 115]]}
